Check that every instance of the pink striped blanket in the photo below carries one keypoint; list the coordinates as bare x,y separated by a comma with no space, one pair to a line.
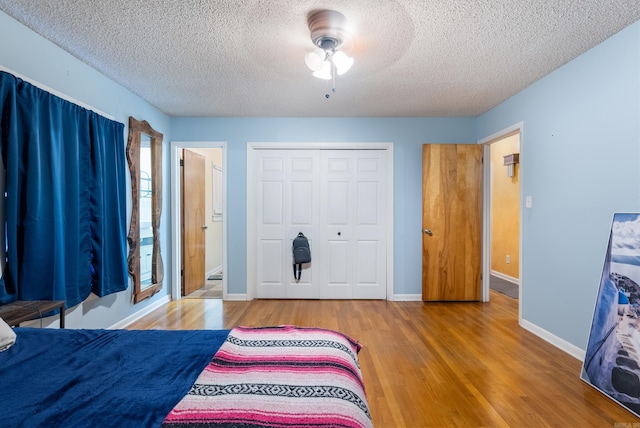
278,377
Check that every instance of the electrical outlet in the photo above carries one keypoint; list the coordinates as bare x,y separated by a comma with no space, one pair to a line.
508,259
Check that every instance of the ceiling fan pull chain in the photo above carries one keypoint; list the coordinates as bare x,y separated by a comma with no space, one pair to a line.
333,76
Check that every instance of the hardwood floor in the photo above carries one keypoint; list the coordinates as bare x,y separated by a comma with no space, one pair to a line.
433,364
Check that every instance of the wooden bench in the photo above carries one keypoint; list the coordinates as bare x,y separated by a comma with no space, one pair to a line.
19,311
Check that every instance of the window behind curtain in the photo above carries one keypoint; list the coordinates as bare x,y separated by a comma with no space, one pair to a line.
64,209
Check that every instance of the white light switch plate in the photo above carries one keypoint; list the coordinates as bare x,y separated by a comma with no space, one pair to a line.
528,202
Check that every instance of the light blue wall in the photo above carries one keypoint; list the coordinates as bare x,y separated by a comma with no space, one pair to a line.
580,162
407,135
28,54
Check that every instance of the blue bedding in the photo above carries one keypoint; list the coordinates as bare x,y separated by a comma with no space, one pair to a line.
98,378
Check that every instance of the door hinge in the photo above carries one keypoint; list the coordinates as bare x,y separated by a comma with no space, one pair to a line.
181,162
181,272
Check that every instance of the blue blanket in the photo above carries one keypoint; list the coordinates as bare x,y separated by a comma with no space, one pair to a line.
97,378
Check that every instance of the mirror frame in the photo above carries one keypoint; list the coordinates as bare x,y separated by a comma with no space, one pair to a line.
136,128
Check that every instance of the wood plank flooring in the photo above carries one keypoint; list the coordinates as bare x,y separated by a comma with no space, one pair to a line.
432,364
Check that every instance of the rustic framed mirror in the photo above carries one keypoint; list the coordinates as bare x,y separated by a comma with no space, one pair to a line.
144,155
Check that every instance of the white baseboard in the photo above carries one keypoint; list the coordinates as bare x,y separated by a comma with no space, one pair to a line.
236,297
505,277
145,311
407,297
562,344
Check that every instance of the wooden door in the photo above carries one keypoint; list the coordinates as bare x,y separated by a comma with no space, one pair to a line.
451,222
193,222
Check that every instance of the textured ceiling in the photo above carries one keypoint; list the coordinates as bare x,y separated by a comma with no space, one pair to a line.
246,57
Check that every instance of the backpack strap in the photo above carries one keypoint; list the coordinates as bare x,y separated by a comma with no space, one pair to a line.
298,274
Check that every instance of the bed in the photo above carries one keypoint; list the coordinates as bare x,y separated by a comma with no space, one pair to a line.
282,376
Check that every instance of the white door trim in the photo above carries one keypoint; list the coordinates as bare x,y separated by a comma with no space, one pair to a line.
486,208
176,215
252,208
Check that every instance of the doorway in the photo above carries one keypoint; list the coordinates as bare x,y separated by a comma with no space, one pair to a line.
211,221
505,215
502,213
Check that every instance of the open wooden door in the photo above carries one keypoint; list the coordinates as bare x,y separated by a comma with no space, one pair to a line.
451,222
193,222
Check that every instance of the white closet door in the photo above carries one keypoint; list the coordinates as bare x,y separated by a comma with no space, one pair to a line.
337,199
353,219
287,204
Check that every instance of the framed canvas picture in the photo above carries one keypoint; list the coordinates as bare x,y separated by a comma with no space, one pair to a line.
612,358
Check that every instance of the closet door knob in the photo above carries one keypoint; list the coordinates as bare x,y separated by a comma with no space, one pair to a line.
428,232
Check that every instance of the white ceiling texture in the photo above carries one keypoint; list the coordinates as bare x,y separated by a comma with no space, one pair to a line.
246,57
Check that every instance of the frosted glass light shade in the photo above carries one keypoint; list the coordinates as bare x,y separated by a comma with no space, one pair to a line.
342,62
324,72
314,59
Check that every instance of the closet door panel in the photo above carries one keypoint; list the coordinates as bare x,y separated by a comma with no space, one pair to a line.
336,219
302,199
369,225
271,228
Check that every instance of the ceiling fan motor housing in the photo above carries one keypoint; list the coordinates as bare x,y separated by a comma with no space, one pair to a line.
328,29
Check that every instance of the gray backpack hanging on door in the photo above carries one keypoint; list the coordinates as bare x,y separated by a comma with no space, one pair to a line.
301,254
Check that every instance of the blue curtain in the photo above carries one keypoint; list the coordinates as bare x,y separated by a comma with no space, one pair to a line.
65,207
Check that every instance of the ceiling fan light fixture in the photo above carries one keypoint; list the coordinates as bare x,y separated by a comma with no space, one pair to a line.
328,32
324,72
315,59
342,62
